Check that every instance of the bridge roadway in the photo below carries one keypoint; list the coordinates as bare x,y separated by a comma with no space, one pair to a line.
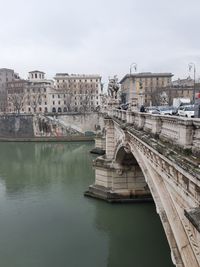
152,156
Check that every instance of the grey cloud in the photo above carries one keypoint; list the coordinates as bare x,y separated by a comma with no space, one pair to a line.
99,36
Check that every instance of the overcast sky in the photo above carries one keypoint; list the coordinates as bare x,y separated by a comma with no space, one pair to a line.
99,36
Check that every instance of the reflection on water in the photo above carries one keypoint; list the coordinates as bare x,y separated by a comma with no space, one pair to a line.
46,221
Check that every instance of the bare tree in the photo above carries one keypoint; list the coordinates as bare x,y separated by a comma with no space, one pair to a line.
17,100
34,99
85,103
68,100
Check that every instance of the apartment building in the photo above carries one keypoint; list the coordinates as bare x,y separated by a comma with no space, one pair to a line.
29,96
68,93
78,92
140,87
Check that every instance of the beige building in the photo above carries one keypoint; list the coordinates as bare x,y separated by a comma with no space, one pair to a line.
141,86
68,93
80,92
29,96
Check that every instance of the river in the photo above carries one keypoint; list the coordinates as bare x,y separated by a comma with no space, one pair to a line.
45,221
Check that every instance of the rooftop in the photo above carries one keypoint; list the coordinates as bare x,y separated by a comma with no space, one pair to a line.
36,71
146,75
59,75
5,69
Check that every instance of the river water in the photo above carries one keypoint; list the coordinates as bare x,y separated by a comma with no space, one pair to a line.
45,221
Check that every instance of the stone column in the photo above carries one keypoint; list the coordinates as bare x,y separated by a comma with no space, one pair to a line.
141,121
185,133
156,125
110,138
123,115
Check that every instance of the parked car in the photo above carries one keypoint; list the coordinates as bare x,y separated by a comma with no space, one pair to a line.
152,110
167,110
186,111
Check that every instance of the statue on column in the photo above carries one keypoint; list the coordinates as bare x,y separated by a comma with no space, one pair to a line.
113,87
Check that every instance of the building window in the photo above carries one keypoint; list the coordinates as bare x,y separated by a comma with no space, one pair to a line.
52,96
53,102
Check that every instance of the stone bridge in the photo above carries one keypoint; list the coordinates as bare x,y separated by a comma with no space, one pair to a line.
152,156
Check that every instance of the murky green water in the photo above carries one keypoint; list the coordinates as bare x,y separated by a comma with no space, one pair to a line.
45,221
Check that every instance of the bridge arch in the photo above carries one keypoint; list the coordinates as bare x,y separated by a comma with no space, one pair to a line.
164,202
128,178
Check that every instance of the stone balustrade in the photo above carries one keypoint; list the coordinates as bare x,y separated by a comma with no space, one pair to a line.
184,132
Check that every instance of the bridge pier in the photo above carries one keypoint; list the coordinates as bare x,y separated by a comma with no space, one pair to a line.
117,183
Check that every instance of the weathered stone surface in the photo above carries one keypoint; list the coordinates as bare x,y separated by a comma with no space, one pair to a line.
193,216
16,126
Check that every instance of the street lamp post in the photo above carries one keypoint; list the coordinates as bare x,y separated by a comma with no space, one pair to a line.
192,65
130,97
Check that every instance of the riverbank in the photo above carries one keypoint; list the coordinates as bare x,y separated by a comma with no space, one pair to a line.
49,139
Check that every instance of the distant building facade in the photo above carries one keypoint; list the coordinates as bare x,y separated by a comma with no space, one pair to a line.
188,82
180,88
140,87
79,92
29,96
68,93
6,75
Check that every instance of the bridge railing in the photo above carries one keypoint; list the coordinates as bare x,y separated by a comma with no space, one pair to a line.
184,132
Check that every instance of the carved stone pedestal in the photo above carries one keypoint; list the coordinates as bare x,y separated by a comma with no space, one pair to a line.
117,183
